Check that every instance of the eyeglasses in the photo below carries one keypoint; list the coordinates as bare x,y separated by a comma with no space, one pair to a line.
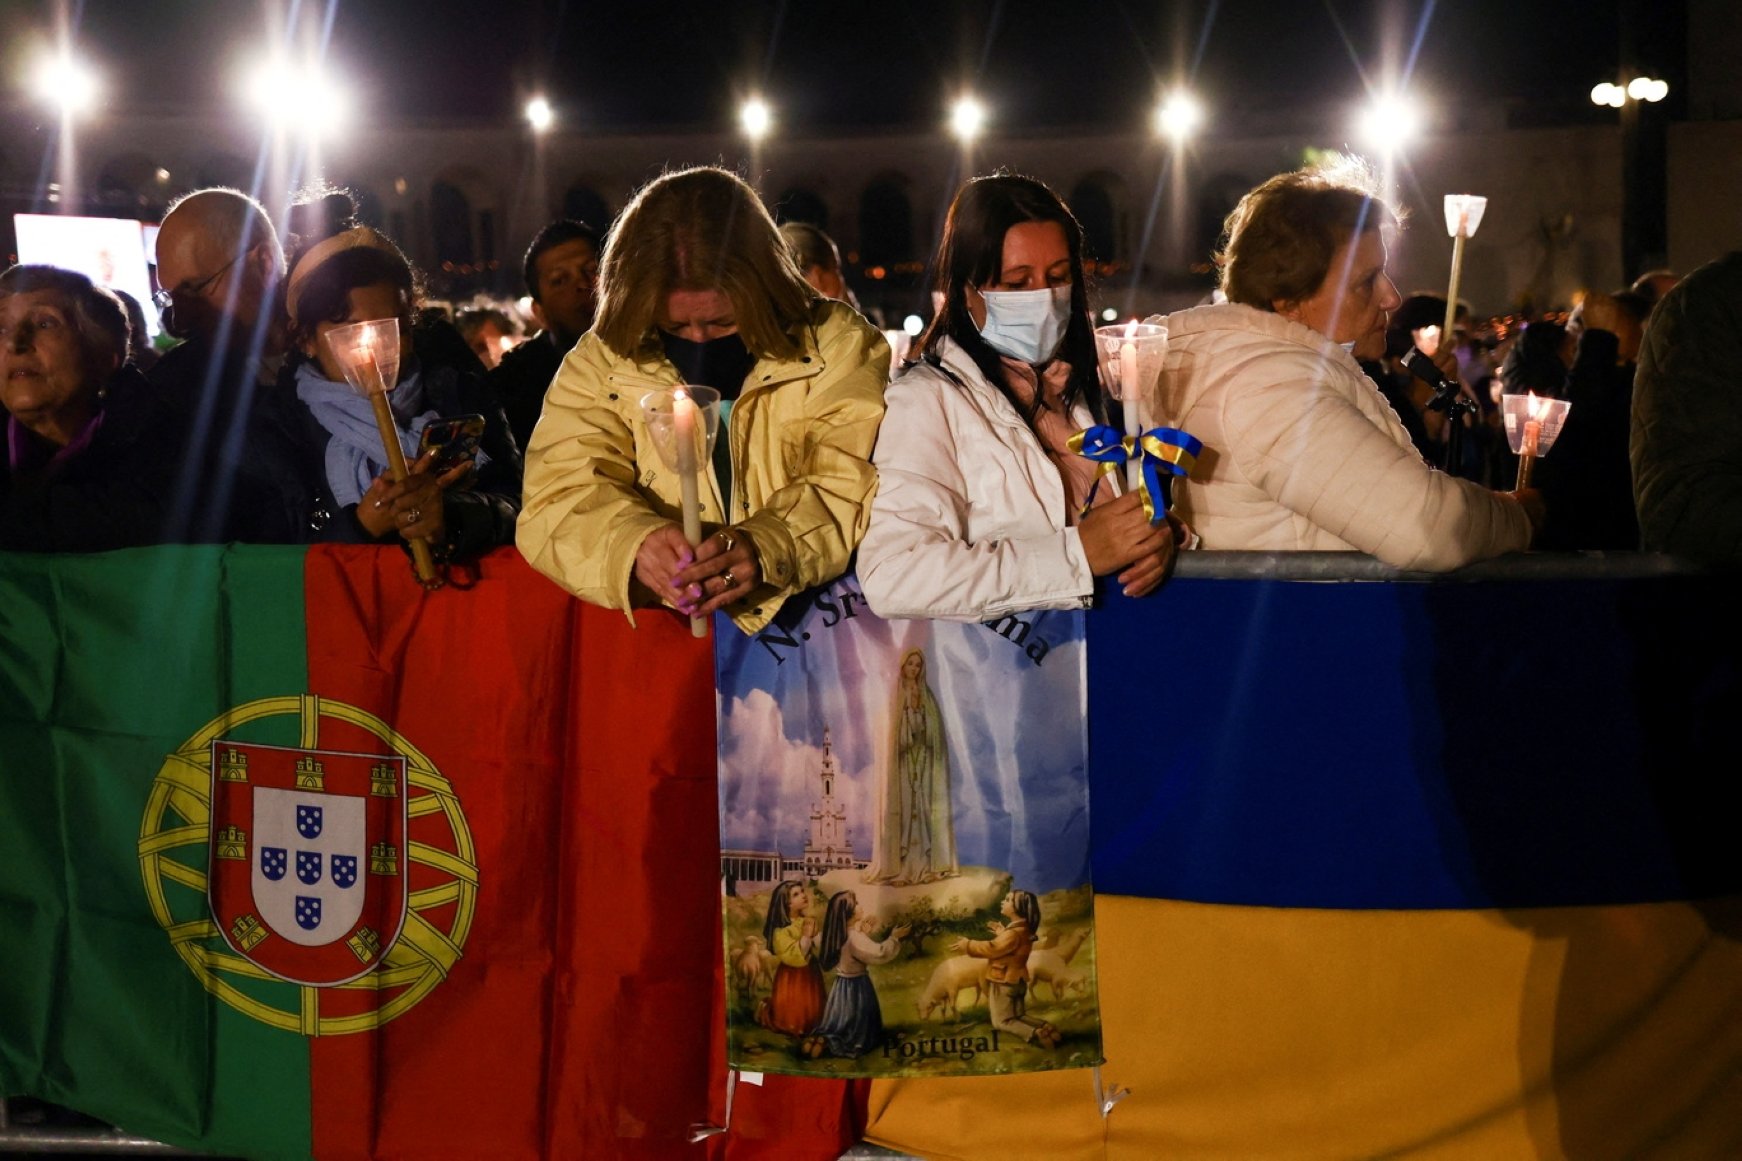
165,298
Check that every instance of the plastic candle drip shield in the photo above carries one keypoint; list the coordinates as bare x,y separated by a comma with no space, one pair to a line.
367,353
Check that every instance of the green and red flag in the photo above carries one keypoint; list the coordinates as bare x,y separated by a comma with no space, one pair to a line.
296,859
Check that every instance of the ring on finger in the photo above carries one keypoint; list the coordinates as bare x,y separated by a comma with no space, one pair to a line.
727,540
413,515
731,581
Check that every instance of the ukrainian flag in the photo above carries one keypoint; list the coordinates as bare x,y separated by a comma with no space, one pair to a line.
1401,869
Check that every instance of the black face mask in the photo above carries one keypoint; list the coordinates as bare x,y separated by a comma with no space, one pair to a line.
719,363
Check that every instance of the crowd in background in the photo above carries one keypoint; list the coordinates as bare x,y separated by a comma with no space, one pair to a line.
246,430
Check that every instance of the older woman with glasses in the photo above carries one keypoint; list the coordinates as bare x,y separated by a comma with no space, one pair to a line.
87,462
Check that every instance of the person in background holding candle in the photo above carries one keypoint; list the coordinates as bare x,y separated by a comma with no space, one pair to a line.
356,275
697,287
1301,450
980,507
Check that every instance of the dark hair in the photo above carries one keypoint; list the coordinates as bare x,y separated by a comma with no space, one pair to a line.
1027,908
810,246
777,913
1413,313
971,253
1634,304
138,334
554,235
316,213
324,295
842,904
1533,363
1283,234
98,315
469,321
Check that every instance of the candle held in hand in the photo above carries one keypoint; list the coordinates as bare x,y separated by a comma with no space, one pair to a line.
1128,388
684,435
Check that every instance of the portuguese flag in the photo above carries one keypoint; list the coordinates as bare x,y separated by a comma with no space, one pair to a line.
297,859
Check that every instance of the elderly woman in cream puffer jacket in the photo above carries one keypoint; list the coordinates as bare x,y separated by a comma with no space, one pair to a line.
1301,451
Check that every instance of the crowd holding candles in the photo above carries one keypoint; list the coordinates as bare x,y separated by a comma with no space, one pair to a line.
703,431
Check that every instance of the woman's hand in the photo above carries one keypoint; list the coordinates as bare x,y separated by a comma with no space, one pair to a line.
1118,538
413,506
958,945
725,570
662,553
1531,501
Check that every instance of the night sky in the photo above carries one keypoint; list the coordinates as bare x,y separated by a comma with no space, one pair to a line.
829,66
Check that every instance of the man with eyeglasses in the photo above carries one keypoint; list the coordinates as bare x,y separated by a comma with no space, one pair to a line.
562,276
219,264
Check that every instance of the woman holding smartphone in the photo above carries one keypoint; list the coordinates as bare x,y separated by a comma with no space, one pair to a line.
462,491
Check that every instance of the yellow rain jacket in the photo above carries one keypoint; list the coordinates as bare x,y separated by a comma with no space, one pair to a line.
801,439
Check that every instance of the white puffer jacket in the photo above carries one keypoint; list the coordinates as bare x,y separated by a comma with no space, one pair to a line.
1302,453
969,519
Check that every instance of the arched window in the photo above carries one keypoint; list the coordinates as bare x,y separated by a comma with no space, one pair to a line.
583,203
885,223
450,214
1092,202
802,205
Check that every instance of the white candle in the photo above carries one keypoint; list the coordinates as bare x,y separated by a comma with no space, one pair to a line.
683,423
1128,401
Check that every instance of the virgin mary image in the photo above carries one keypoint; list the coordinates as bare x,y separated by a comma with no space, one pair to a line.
916,834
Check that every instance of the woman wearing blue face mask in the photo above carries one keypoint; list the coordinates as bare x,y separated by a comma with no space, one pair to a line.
980,508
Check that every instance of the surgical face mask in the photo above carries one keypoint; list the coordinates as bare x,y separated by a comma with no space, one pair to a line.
1026,324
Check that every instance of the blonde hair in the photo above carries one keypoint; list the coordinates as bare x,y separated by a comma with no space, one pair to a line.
700,229
1283,234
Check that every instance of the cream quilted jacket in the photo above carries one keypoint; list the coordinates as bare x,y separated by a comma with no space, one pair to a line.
1302,453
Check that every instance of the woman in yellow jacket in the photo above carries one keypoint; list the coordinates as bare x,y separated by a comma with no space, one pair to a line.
696,287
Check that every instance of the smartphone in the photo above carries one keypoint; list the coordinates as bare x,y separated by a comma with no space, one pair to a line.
456,438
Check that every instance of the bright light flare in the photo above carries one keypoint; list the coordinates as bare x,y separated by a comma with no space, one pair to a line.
1613,96
295,96
1647,89
540,115
913,324
1179,116
967,118
1391,122
65,82
755,118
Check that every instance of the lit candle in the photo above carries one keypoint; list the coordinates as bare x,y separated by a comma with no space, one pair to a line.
683,424
1128,401
1527,450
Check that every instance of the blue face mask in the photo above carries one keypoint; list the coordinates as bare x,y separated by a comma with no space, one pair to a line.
1027,324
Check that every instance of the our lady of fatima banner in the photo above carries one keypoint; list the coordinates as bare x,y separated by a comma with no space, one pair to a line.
905,844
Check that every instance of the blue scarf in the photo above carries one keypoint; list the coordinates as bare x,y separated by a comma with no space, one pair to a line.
354,454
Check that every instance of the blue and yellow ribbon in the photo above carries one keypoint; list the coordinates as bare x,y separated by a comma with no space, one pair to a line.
1163,450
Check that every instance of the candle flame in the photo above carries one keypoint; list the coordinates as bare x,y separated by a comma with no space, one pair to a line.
679,393
1537,406
1131,330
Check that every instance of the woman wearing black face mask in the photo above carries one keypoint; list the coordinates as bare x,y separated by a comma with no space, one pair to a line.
983,508
696,287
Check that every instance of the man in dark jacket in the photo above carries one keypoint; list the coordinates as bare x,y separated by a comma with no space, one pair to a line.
1585,480
562,276
219,263
1687,419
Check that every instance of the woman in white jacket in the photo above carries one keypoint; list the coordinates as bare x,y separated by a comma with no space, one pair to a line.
980,504
1300,449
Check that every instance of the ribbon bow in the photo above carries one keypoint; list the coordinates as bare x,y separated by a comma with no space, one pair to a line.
1163,449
